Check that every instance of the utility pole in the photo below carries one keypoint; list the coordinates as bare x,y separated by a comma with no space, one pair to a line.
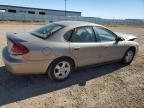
65,7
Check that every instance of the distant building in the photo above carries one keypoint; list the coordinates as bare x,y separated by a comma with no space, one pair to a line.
36,11
18,13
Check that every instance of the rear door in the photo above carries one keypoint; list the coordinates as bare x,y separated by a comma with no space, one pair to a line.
84,46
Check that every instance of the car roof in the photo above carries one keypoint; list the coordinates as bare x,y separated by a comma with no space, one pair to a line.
76,23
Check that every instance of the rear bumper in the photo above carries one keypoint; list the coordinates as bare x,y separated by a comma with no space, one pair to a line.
21,66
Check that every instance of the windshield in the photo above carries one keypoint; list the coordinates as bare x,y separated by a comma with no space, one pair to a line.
45,31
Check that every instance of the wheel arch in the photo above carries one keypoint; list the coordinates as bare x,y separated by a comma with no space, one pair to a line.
62,58
133,48
130,47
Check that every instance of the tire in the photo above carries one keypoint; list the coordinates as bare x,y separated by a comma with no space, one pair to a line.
60,69
129,56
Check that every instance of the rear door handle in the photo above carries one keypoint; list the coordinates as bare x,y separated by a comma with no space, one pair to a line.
77,48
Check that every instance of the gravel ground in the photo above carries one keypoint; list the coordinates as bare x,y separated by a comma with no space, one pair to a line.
107,86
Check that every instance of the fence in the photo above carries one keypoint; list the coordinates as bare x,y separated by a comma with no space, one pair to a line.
47,18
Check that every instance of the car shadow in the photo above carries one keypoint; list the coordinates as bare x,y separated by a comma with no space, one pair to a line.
15,88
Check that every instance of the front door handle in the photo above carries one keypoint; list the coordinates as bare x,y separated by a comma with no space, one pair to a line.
77,48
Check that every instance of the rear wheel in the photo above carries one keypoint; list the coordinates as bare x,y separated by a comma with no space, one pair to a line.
60,69
129,56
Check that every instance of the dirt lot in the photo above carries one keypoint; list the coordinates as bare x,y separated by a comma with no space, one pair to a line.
113,85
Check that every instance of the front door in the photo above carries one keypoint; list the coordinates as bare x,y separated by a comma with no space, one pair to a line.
112,49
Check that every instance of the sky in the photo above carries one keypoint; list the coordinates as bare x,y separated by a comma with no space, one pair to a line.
111,9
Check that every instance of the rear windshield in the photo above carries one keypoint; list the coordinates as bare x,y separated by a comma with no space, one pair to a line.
45,31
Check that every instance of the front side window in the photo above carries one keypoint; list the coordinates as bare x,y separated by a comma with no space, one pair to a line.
83,34
104,34
45,31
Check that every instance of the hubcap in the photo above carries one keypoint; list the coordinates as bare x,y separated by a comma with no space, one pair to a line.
129,56
62,69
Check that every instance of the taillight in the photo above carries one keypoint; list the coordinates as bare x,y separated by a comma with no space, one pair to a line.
19,49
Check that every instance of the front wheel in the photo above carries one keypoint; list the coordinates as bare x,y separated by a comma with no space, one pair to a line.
129,56
60,70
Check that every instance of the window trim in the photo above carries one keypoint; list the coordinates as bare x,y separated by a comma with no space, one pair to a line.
109,31
73,30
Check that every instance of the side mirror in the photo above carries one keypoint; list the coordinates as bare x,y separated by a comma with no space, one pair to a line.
118,39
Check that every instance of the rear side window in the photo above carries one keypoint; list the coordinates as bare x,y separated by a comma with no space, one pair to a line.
83,34
45,31
68,35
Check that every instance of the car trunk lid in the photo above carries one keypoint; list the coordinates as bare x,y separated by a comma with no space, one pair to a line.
15,40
